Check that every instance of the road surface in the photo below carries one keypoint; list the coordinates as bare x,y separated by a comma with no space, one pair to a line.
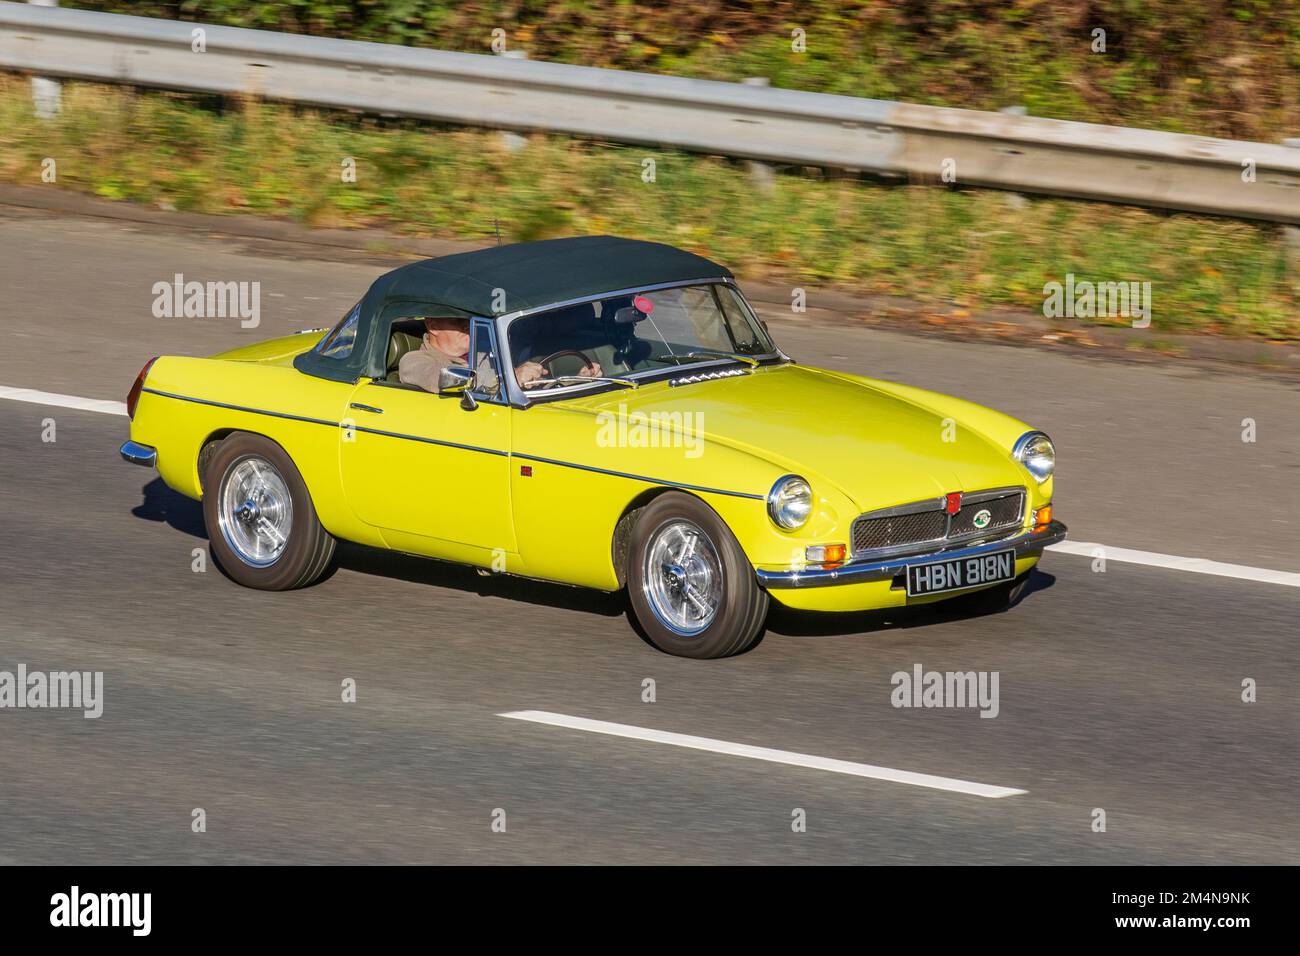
1119,691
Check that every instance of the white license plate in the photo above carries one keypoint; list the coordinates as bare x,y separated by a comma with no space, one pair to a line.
957,574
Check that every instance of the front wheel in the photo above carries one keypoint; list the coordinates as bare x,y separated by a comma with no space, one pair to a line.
690,585
262,526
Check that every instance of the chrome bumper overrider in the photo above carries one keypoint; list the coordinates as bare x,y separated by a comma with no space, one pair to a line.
1027,542
138,454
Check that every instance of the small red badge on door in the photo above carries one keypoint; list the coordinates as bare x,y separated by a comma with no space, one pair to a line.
526,470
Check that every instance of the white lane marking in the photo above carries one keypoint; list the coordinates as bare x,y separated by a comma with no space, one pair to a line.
1174,563
62,401
763,753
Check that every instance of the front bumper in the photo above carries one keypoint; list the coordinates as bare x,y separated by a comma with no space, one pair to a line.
138,454
1025,543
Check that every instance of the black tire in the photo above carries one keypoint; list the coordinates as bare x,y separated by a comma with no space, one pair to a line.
990,600
741,605
308,548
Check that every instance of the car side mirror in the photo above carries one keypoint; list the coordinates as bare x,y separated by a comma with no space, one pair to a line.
456,380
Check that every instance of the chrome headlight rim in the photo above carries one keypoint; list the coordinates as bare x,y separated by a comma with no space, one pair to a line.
773,511
1021,453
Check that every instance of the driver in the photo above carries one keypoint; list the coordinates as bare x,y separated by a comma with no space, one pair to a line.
446,345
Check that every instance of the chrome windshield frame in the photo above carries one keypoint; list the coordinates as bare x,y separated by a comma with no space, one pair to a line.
520,398
487,326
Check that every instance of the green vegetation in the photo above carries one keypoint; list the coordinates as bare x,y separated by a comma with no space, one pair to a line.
930,243
1229,68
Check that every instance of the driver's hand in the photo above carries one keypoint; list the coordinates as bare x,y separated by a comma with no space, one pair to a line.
529,372
591,371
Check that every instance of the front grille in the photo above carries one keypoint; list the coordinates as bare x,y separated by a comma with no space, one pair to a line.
898,530
928,522
1003,512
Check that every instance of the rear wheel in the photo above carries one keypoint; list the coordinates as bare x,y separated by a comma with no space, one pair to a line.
690,585
262,527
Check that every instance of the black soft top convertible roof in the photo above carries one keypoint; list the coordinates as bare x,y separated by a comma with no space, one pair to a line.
502,279
536,274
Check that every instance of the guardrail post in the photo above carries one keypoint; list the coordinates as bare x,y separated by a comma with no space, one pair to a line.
762,175
47,94
513,142
1015,200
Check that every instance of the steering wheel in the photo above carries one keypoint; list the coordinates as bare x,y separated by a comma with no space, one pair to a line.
546,362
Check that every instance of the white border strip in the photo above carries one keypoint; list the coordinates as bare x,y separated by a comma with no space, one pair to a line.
1173,562
763,753
62,401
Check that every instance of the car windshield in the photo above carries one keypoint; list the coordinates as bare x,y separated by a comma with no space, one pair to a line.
627,335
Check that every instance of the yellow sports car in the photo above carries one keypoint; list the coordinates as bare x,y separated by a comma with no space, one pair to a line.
600,412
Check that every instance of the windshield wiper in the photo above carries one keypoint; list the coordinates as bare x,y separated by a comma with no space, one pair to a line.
582,378
698,354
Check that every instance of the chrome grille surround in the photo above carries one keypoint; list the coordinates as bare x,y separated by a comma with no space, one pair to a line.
927,526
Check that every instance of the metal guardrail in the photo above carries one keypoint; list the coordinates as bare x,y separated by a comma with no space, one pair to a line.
1020,153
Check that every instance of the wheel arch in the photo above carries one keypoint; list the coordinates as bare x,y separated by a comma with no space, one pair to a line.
209,445
627,520
317,465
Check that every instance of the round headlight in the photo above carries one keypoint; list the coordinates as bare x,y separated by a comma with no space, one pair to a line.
789,503
1036,452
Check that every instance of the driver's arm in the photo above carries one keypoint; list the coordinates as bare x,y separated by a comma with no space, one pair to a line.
526,372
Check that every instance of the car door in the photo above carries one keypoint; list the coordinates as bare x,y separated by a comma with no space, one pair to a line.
429,472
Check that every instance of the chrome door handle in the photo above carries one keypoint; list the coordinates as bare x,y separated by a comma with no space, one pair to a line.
367,408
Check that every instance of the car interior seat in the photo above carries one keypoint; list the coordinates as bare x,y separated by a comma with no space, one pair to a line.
406,336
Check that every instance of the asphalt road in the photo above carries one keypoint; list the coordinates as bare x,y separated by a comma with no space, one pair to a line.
1118,691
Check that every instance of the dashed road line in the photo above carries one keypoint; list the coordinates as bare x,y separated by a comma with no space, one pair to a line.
1173,562
62,401
787,757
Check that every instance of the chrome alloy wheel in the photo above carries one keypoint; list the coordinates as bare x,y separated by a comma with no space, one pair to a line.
255,511
682,577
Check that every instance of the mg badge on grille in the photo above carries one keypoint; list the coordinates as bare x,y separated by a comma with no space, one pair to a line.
982,518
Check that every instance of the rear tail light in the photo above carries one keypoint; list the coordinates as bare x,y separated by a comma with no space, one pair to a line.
133,396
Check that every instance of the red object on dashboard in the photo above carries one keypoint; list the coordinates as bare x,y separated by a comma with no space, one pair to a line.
643,304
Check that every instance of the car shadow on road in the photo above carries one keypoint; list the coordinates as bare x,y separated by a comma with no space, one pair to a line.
445,574
789,623
162,504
